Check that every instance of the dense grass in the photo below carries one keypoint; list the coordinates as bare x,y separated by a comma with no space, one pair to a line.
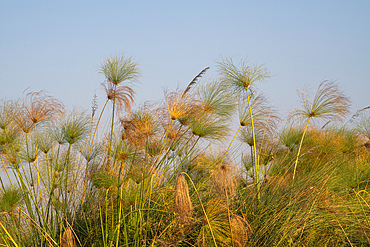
177,173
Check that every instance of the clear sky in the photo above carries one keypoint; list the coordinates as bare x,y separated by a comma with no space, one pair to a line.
58,46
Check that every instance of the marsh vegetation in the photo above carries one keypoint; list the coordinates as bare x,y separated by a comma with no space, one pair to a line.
161,174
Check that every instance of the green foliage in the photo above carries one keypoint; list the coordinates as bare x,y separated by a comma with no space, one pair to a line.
240,78
363,126
102,179
328,103
10,198
216,99
290,137
75,127
118,69
210,127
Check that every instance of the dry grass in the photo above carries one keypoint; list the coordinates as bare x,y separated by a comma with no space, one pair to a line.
183,205
240,230
68,238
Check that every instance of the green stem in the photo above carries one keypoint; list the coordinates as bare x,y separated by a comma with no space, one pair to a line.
106,216
183,160
204,211
91,145
2,184
172,160
67,175
29,163
37,167
300,146
101,218
164,143
6,170
227,150
228,213
252,159
111,133
96,129
256,165
159,161
9,236
119,215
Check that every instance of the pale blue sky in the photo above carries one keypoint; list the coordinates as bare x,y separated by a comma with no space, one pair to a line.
57,46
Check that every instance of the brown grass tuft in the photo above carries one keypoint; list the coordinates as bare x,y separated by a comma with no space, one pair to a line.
39,106
123,96
240,229
68,239
183,205
224,179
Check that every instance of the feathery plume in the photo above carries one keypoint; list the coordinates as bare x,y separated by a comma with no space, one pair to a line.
194,81
39,106
183,205
118,69
240,229
68,239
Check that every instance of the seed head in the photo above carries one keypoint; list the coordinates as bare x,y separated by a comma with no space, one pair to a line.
240,229
224,179
68,238
183,205
118,69
39,106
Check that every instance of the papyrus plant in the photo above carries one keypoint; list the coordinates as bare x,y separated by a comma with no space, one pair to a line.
240,80
119,72
329,103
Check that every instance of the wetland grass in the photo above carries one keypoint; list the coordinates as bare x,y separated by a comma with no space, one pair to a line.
174,173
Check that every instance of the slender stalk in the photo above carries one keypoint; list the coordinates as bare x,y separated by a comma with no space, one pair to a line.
29,163
204,211
29,206
256,165
111,133
156,232
101,218
6,170
119,215
96,128
6,242
183,160
263,138
91,145
227,150
362,207
228,213
161,160
37,167
165,141
149,200
36,225
7,233
106,216
67,174
2,184
173,159
252,159
300,146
